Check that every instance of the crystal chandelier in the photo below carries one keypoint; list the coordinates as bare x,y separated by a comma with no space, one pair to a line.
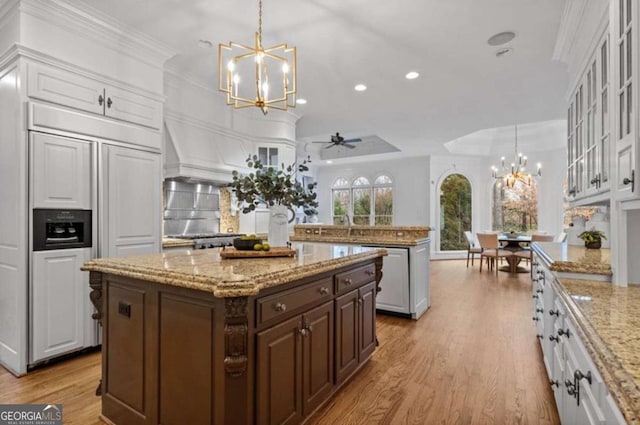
243,73
518,171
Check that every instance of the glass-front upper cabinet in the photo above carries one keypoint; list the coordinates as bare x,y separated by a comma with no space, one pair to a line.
626,14
588,140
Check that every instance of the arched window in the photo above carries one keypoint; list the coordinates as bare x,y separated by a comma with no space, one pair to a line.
361,202
515,209
340,199
361,196
455,212
383,201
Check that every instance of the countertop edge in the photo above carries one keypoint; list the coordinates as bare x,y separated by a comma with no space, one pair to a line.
357,241
618,381
226,289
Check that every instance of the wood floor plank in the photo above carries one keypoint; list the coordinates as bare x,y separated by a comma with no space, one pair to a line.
471,359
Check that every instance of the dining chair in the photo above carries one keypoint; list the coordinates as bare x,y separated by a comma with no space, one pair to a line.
527,254
491,250
473,247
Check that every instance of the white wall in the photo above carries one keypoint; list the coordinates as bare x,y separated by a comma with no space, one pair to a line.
410,191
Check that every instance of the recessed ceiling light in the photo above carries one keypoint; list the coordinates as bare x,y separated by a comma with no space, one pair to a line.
412,75
505,51
360,87
501,38
329,161
205,44
301,101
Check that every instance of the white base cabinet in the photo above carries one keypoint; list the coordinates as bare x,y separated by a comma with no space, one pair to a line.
581,395
61,312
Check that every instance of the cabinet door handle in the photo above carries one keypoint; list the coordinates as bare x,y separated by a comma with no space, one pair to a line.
563,332
554,313
280,307
554,383
348,281
534,296
309,328
535,318
540,336
579,375
554,338
100,100
631,180
360,301
539,310
109,102
539,291
571,388
324,291
369,272
303,331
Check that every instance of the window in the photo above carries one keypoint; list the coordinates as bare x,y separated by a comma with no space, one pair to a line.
361,195
455,212
340,200
362,202
515,209
268,156
383,201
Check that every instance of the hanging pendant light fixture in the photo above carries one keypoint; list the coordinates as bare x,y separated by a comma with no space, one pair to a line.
517,171
243,73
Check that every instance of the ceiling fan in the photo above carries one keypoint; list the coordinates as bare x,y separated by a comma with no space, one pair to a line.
338,140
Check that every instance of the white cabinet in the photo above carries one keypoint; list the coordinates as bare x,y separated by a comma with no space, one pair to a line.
61,166
60,317
624,37
581,396
588,138
131,197
394,292
87,94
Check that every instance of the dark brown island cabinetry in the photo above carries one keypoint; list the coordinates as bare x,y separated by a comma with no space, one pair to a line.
173,355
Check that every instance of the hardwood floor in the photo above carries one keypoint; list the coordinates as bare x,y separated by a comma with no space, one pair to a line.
471,359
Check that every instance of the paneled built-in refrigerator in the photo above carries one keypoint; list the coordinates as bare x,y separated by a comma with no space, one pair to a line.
88,198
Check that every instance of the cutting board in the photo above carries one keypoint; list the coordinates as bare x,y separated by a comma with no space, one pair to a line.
273,252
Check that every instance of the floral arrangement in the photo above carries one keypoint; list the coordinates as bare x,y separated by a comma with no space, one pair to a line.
271,186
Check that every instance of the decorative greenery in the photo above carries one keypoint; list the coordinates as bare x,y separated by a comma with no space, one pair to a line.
267,185
593,235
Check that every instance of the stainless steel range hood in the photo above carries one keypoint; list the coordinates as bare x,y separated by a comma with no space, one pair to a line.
190,208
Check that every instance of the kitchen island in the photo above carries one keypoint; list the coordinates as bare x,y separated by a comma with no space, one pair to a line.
189,337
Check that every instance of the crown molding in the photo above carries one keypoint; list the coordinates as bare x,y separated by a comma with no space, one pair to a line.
82,20
569,24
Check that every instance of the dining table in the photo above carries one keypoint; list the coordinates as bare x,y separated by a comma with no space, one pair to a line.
514,242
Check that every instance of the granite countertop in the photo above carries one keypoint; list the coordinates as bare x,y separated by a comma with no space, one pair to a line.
361,240
175,242
608,318
204,270
574,259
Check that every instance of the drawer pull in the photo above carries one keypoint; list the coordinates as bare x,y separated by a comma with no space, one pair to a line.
563,332
280,307
100,100
579,375
554,383
369,272
554,313
534,296
539,310
540,336
536,318
539,291
109,102
348,281
324,291
554,338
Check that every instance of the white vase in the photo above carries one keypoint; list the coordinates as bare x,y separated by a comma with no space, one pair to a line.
278,229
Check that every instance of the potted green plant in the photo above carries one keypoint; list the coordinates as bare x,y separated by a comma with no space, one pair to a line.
279,189
592,238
